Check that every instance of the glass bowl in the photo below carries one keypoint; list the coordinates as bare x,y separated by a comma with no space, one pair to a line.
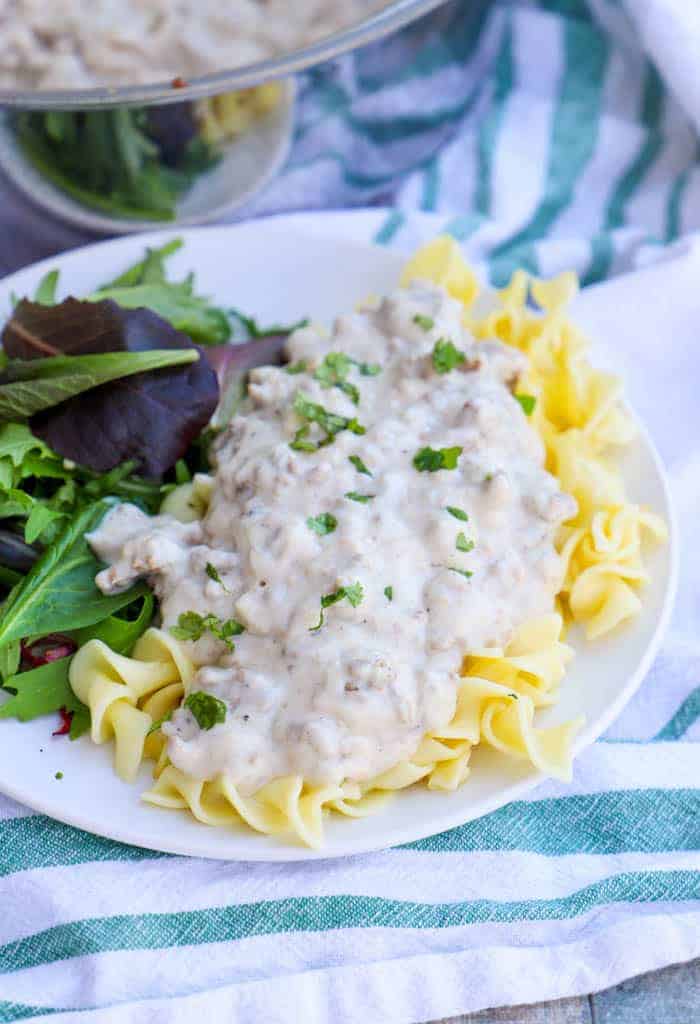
383,22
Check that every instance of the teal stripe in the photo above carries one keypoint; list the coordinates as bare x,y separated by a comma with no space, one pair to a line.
631,179
652,110
463,227
393,223
567,8
431,186
649,821
639,821
574,132
675,200
329,913
33,842
602,252
456,43
522,257
491,123
687,715
20,1011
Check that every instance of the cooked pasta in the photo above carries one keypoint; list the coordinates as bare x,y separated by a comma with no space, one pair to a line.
582,423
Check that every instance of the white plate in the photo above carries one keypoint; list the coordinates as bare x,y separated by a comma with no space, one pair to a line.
246,166
281,270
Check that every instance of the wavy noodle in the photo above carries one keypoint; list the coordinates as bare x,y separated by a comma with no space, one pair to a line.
580,418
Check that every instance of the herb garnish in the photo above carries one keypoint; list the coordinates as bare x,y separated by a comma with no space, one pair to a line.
213,574
446,357
462,572
426,322
294,368
359,464
389,593
193,626
353,593
322,524
463,543
58,775
432,459
333,373
527,403
207,709
458,513
331,423
362,498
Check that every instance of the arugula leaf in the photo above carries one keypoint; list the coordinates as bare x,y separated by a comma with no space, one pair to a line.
175,303
432,459
40,516
29,386
41,691
293,368
322,524
59,592
46,289
254,331
463,543
149,270
458,513
359,464
207,709
361,498
17,442
353,593
47,688
10,658
193,626
527,403
446,357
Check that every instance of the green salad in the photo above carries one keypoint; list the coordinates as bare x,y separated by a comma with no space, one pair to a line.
116,396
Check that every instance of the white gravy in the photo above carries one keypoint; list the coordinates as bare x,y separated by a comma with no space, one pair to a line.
352,698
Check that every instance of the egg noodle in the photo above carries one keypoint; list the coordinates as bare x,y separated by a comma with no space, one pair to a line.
580,418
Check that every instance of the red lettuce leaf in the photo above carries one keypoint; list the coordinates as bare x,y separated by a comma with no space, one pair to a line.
150,417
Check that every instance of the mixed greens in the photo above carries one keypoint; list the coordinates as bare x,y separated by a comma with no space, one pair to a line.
127,163
103,399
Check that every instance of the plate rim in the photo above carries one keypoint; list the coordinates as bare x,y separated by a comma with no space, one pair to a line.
400,834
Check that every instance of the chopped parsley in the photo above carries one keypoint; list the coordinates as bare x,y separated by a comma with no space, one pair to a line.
58,775
389,593
330,422
359,464
155,726
294,368
362,498
207,709
333,373
353,593
446,357
322,524
430,460
458,513
426,322
213,574
193,626
527,402
462,572
463,543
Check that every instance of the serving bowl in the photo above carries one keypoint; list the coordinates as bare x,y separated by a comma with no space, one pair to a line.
247,164
383,22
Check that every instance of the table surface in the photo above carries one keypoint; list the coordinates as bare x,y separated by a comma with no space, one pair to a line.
670,996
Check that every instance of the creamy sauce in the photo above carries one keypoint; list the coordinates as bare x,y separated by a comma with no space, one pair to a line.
68,45
352,698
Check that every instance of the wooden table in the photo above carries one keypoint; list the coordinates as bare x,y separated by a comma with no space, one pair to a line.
670,996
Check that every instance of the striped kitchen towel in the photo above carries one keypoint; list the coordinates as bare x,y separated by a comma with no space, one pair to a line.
539,135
